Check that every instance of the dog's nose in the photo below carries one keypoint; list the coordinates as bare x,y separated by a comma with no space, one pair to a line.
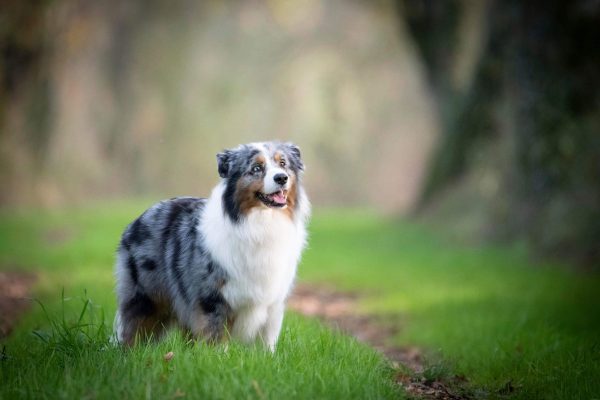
280,178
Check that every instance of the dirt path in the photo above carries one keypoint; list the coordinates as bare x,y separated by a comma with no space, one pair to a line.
14,292
338,310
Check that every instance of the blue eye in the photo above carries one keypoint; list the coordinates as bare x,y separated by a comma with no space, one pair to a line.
257,168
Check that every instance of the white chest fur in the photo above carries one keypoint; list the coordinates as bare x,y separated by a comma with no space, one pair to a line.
260,253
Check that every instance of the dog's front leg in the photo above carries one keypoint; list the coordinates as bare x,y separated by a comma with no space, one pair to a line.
270,331
248,323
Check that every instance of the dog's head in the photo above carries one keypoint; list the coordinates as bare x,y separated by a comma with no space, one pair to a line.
260,176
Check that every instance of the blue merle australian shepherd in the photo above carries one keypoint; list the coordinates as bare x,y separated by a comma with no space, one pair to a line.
221,266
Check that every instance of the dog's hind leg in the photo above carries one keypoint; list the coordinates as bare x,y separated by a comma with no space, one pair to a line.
210,326
140,318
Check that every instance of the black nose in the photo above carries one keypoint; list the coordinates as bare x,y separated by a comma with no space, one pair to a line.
280,178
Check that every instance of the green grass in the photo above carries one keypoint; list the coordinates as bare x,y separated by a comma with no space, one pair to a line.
514,328
487,313
74,359
61,348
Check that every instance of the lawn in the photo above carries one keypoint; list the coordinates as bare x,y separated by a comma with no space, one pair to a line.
512,328
61,350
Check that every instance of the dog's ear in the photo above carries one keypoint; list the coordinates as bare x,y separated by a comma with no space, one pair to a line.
224,162
295,155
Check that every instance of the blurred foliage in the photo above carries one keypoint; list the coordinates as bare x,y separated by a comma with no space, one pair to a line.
531,113
135,98
138,97
23,53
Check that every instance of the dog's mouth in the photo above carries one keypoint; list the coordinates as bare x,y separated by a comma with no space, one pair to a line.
275,199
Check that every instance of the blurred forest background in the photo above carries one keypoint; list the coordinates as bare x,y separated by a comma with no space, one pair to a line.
481,115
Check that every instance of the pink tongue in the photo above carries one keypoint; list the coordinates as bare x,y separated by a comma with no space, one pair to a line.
279,197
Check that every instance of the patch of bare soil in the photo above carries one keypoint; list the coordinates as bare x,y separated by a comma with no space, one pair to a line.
339,309
14,292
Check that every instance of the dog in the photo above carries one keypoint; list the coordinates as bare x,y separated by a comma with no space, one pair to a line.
221,266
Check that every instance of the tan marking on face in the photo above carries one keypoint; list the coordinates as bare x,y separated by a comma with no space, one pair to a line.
246,195
277,157
292,198
260,159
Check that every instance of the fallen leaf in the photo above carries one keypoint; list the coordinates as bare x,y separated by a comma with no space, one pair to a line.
168,356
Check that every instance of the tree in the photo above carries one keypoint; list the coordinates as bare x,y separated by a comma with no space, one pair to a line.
535,87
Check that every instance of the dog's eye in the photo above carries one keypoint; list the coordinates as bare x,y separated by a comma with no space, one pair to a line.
257,168
282,163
